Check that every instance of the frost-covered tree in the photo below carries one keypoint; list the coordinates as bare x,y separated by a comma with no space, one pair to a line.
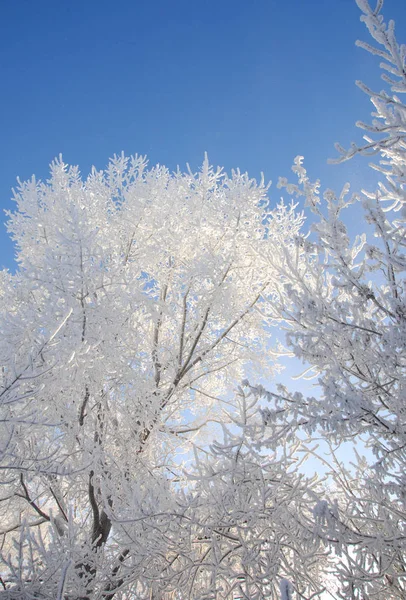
138,298
346,318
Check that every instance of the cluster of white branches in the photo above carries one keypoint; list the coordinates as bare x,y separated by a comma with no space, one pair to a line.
346,317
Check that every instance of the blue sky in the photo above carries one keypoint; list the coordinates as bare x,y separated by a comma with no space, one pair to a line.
253,83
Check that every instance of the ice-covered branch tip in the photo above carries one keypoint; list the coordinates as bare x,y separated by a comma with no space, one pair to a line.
389,125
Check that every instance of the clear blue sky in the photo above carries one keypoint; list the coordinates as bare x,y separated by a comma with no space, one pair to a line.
252,82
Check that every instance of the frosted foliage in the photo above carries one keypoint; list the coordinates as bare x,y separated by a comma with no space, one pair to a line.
139,296
264,507
345,311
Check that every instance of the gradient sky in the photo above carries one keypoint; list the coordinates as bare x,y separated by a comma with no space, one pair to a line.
254,83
